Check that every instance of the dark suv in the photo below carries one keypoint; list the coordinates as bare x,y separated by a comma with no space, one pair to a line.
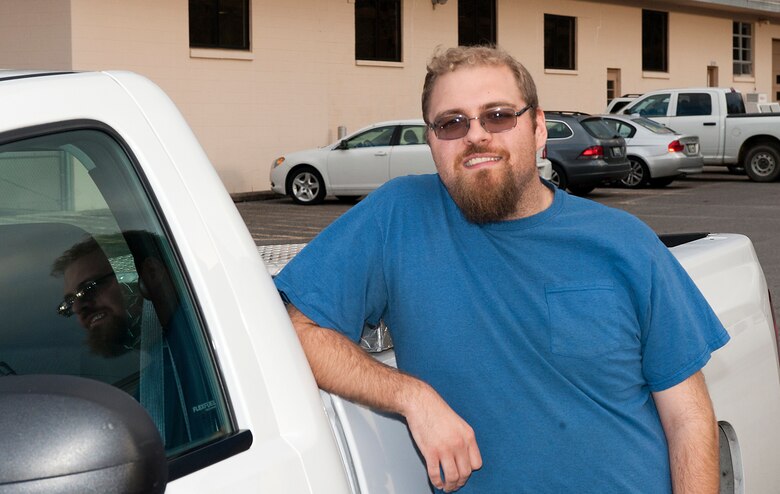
584,151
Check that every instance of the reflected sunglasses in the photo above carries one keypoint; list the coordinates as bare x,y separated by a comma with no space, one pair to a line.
494,120
65,309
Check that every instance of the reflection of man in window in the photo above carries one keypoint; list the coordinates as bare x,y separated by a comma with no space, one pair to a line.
93,294
172,384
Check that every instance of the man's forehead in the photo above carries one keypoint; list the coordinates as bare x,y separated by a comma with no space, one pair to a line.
85,267
483,86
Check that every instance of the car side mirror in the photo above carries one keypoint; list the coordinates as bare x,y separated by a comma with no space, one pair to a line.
342,144
72,434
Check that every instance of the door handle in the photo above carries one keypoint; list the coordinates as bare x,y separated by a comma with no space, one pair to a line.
380,153
709,124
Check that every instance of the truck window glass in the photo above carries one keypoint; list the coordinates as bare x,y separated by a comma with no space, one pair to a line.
693,104
90,285
655,105
734,103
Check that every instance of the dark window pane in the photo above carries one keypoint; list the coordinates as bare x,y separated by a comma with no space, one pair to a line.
378,30
219,24
559,42
476,22
654,40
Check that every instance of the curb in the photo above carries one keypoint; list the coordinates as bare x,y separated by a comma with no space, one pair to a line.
260,195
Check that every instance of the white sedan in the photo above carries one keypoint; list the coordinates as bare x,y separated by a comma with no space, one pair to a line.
355,165
359,163
657,153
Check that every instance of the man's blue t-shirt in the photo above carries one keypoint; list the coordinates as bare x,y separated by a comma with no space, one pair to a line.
546,334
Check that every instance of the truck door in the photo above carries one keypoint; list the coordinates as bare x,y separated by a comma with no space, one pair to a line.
696,113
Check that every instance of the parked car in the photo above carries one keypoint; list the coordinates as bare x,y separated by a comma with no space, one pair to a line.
616,104
728,136
657,153
359,163
584,151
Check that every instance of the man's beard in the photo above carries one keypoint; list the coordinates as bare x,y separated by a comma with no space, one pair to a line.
112,340
479,198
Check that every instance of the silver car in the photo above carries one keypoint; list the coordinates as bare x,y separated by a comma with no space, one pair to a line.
359,163
657,153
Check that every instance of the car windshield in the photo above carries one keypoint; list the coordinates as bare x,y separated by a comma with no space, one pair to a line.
653,126
598,129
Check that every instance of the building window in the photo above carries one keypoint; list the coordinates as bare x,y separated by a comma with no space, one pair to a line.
559,42
655,45
476,22
378,30
219,24
743,48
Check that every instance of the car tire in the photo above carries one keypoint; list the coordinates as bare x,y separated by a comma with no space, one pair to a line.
558,177
638,175
581,190
762,163
305,186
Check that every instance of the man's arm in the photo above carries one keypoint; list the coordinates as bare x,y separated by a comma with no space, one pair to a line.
692,433
340,366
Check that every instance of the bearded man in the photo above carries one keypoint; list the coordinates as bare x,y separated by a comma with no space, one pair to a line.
545,343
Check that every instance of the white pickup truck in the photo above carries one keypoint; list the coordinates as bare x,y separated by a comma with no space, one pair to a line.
202,386
727,134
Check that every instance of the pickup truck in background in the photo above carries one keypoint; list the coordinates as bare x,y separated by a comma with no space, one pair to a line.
107,156
727,134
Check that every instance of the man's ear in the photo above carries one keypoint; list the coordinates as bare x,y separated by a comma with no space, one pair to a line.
151,275
540,134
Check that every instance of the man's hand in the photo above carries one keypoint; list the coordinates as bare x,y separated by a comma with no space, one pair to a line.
445,440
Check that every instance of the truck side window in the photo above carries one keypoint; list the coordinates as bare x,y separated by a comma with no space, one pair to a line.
693,104
655,105
91,286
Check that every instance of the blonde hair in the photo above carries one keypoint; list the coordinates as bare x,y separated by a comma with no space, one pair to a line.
451,59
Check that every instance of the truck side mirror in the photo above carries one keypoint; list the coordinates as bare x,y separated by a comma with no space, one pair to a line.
71,434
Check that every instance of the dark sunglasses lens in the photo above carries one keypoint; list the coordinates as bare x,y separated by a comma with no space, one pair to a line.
65,308
452,127
498,120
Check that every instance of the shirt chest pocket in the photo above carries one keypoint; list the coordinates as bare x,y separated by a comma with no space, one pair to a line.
587,319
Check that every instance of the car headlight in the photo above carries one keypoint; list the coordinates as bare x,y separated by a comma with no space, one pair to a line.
278,161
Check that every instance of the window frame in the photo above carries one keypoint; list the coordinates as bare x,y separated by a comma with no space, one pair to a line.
214,20
369,30
560,42
655,41
472,25
742,55
192,459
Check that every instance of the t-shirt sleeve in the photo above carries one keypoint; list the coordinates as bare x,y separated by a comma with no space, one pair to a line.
337,279
681,329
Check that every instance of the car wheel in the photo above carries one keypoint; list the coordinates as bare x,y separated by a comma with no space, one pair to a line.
661,182
305,186
581,190
762,163
638,175
348,199
558,177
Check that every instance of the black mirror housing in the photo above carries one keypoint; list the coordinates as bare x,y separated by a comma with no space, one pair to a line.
72,434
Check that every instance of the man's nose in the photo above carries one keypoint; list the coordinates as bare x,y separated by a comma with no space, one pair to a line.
476,133
81,304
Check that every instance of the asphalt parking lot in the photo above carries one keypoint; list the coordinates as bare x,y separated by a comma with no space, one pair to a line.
714,201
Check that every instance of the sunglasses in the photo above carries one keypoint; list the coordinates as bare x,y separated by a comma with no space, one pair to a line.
494,120
65,309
